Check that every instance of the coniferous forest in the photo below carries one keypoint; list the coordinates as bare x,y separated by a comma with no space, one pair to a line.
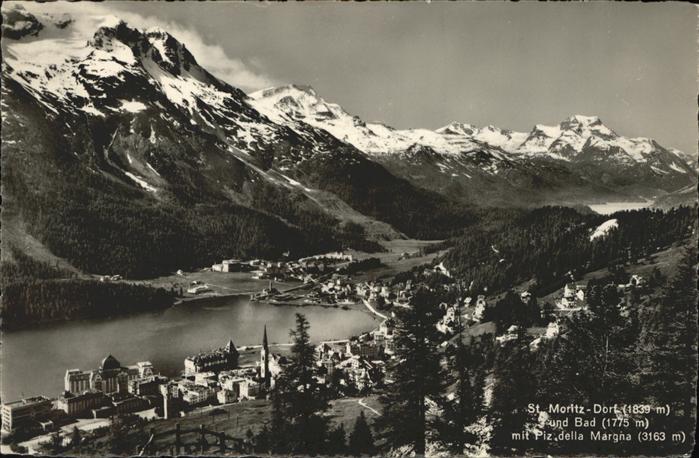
283,275
633,349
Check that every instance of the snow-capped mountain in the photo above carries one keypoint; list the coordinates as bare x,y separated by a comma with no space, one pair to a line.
489,135
122,81
564,141
293,103
582,146
133,111
121,69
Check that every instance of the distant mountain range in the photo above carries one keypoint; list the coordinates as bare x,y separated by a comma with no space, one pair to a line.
130,116
576,161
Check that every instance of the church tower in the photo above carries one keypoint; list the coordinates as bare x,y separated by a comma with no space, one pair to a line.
264,359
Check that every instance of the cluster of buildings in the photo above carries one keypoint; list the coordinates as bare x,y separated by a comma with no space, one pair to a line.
451,318
358,364
107,390
27,413
217,360
208,378
216,377
305,269
232,265
572,298
381,296
111,388
474,309
197,287
635,281
337,289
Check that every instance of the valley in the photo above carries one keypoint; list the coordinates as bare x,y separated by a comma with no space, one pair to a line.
294,279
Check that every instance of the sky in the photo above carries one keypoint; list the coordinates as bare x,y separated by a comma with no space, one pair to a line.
408,65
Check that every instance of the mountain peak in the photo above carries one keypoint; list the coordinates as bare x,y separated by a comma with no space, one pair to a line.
157,32
584,120
154,43
457,128
285,90
303,88
586,126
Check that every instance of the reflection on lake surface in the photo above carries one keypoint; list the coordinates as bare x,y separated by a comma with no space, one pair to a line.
608,208
34,361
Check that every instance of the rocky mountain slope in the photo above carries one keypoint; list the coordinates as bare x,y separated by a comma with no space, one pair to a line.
122,154
578,160
124,140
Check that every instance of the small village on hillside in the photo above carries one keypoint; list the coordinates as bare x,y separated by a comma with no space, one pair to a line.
388,229
347,367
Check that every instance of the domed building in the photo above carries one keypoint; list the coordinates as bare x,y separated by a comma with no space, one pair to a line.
110,377
110,363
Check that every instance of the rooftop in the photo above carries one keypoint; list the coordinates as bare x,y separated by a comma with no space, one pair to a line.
27,401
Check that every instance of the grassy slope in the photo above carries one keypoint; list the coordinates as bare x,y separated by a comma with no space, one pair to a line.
665,260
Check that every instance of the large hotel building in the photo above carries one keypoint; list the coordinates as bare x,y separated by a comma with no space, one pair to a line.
109,378
222,359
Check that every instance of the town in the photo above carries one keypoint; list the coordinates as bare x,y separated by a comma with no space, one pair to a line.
349,367
209,378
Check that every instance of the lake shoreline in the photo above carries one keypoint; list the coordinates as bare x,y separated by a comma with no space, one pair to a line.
35,360
610,207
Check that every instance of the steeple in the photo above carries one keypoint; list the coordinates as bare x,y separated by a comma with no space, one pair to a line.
264,360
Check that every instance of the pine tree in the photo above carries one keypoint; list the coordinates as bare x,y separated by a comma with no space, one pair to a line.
361,441
415,375
263,441
513,390
591,361
672,335
249,440
56,444
463,408
298,400
337,441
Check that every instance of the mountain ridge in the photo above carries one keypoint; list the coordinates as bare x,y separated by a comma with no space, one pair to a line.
129,118
539,163
574,131
132,115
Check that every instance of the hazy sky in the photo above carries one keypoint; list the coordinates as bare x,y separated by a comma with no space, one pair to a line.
425,65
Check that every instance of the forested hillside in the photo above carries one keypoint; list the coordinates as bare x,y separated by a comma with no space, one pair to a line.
628,348
372,190
630,345
552,243
76,200
36,292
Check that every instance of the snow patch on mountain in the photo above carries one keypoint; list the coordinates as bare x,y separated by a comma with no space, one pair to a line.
677,168
132,106
604,229
658,170
90,109
292,103
563,142
141,182
494,136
